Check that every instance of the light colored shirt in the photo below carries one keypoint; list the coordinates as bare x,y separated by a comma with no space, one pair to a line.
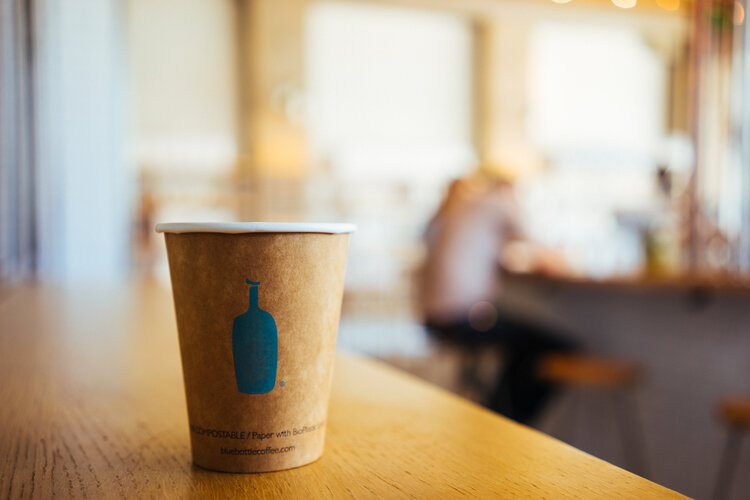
464,244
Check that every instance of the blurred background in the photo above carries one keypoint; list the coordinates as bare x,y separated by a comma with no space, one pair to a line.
621,127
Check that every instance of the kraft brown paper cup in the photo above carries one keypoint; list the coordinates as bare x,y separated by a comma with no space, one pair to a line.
257,379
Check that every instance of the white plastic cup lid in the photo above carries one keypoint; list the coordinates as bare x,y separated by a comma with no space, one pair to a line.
255,227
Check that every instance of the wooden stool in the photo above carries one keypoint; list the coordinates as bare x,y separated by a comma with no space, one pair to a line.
735,413
617,375
582,370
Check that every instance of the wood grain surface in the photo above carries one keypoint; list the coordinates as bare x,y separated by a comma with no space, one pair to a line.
92,406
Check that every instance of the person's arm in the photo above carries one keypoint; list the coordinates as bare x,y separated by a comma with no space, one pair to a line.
520,252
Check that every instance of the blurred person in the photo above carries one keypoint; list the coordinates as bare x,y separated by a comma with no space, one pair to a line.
461,291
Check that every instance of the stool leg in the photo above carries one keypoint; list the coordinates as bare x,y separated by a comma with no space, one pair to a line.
565,426
471,382
727,465
631,431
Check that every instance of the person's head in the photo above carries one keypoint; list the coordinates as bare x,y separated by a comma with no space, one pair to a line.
498,173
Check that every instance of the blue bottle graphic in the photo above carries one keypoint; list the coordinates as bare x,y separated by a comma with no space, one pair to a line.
255,347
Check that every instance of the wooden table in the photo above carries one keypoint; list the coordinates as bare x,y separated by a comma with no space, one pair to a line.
93,406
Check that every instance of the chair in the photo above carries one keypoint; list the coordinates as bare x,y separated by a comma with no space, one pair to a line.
620,377
734,412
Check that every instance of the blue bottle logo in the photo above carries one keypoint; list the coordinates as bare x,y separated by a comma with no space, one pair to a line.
255,347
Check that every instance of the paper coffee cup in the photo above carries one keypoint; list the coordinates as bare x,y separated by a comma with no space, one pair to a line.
257,308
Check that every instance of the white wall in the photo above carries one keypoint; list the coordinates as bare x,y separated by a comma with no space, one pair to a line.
183,67
595,88
389,90
83,186
597,113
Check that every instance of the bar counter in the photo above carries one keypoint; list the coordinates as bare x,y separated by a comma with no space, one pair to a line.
689,282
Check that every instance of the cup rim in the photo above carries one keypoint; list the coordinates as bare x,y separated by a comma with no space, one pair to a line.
255,227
